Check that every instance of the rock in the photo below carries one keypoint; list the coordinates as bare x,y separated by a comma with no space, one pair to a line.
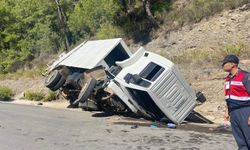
233,18
39,103
173,43
134,126
244,7
220,108
222,22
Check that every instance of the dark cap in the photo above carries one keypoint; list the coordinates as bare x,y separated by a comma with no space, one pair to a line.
230,59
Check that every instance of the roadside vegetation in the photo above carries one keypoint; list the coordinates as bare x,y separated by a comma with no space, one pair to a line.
34,95
209,57
196,10
6,93
51,96
31,28
40,96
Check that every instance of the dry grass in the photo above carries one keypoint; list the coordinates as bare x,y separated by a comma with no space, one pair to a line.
21,74
209,57
195,11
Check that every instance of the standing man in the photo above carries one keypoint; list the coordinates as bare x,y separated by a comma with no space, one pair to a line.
237,95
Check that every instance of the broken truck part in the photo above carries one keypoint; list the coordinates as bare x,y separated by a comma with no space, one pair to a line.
106,75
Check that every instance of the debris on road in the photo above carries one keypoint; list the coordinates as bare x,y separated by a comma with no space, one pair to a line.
153,126
134,126
171,125
39,103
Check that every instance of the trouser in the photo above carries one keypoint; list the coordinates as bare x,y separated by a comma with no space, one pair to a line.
240,128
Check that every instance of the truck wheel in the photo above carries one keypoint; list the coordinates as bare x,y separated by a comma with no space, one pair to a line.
52,79
86,91
58,84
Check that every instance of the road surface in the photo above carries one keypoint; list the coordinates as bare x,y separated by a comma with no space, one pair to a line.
25,127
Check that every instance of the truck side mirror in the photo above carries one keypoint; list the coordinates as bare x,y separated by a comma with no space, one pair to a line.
136,78
132,78
200,97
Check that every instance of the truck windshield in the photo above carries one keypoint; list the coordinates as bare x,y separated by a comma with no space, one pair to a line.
151,72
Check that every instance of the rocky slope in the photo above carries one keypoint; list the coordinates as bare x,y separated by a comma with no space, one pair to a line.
228,27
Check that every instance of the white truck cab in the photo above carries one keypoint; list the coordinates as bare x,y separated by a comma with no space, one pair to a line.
155,87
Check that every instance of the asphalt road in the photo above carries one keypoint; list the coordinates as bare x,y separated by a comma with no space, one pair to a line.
38,128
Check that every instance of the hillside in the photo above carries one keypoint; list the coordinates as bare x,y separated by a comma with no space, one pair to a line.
230,27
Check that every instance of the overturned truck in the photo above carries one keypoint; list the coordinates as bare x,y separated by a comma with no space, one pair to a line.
104,75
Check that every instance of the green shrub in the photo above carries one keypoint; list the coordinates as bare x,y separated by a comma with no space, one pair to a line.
236,49
161,6
195,10
88,17
190,56
6,93
232,4
51,96
109,31
34,95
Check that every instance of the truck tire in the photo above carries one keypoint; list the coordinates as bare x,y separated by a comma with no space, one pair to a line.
86,91
52,78
58,84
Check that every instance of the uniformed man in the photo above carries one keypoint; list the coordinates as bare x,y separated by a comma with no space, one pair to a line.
237,95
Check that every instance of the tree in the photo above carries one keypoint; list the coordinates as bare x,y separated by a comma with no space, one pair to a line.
28,28
89,16
63,21
147,7
124,6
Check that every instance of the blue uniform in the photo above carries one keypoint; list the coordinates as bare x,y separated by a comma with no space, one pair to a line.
239,112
